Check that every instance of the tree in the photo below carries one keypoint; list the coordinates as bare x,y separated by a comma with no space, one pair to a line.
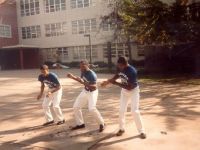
153,22
173,28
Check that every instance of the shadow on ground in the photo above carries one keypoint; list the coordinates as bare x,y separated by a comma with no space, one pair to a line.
171,101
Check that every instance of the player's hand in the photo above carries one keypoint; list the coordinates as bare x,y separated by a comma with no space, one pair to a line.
104,83
49,94
39,96
69,75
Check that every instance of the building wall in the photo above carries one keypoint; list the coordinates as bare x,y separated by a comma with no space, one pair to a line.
8,16
69,40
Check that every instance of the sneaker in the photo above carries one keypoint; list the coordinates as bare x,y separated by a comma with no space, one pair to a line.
78,127
61,122
101,127
120,132
143,136
48,123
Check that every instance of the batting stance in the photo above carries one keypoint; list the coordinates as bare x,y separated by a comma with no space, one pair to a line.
130,92
88,95
53,95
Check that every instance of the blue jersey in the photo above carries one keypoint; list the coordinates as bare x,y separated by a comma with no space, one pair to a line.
89,77
51,80
128,75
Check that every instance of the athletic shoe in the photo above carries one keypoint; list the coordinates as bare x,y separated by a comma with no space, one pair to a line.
101,127
61,122
78,127
48,123
120,132
143,136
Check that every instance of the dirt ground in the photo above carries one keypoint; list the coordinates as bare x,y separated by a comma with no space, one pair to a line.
170,111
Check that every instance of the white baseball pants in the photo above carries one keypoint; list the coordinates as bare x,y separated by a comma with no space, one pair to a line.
54,99
84,98
133,96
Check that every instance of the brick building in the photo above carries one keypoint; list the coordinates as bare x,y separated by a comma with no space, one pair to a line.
12,54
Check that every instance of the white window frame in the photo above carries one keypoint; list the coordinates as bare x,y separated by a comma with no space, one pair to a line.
115,51
29,11
80,4
63,53
31,32
56,7
5,33
83,52
55,29
84,26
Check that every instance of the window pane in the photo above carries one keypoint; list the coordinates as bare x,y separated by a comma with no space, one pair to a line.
28,32
47,30
53,29
93,25
74,27
33,32
38,31
23,33
86,3
81,26
87,26
73,3
57,1
80,3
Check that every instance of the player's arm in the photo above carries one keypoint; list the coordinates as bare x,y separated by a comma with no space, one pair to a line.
113,79
41,90
58,87
78,79
128,86
92,86
130,83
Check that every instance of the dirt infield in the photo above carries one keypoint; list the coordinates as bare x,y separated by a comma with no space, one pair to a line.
170,111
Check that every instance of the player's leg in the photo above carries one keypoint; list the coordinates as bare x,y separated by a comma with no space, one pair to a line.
124,99
79,103
57,96
92,101
135,111
46,107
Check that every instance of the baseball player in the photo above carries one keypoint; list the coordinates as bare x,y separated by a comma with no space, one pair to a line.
88,95
130,92
53,95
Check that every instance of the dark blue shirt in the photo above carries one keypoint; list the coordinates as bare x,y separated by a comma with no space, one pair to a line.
89,77
129,75
51,80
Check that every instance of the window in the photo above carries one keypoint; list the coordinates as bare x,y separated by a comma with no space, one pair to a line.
107,25
55,29
75,52
5,31
94,51
93,24
74,27
117,49
54,5
80,3
83,52
29,7
50,54
31,32
141,50
84,26
63,53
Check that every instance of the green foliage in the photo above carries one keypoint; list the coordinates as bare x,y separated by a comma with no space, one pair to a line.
154,22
